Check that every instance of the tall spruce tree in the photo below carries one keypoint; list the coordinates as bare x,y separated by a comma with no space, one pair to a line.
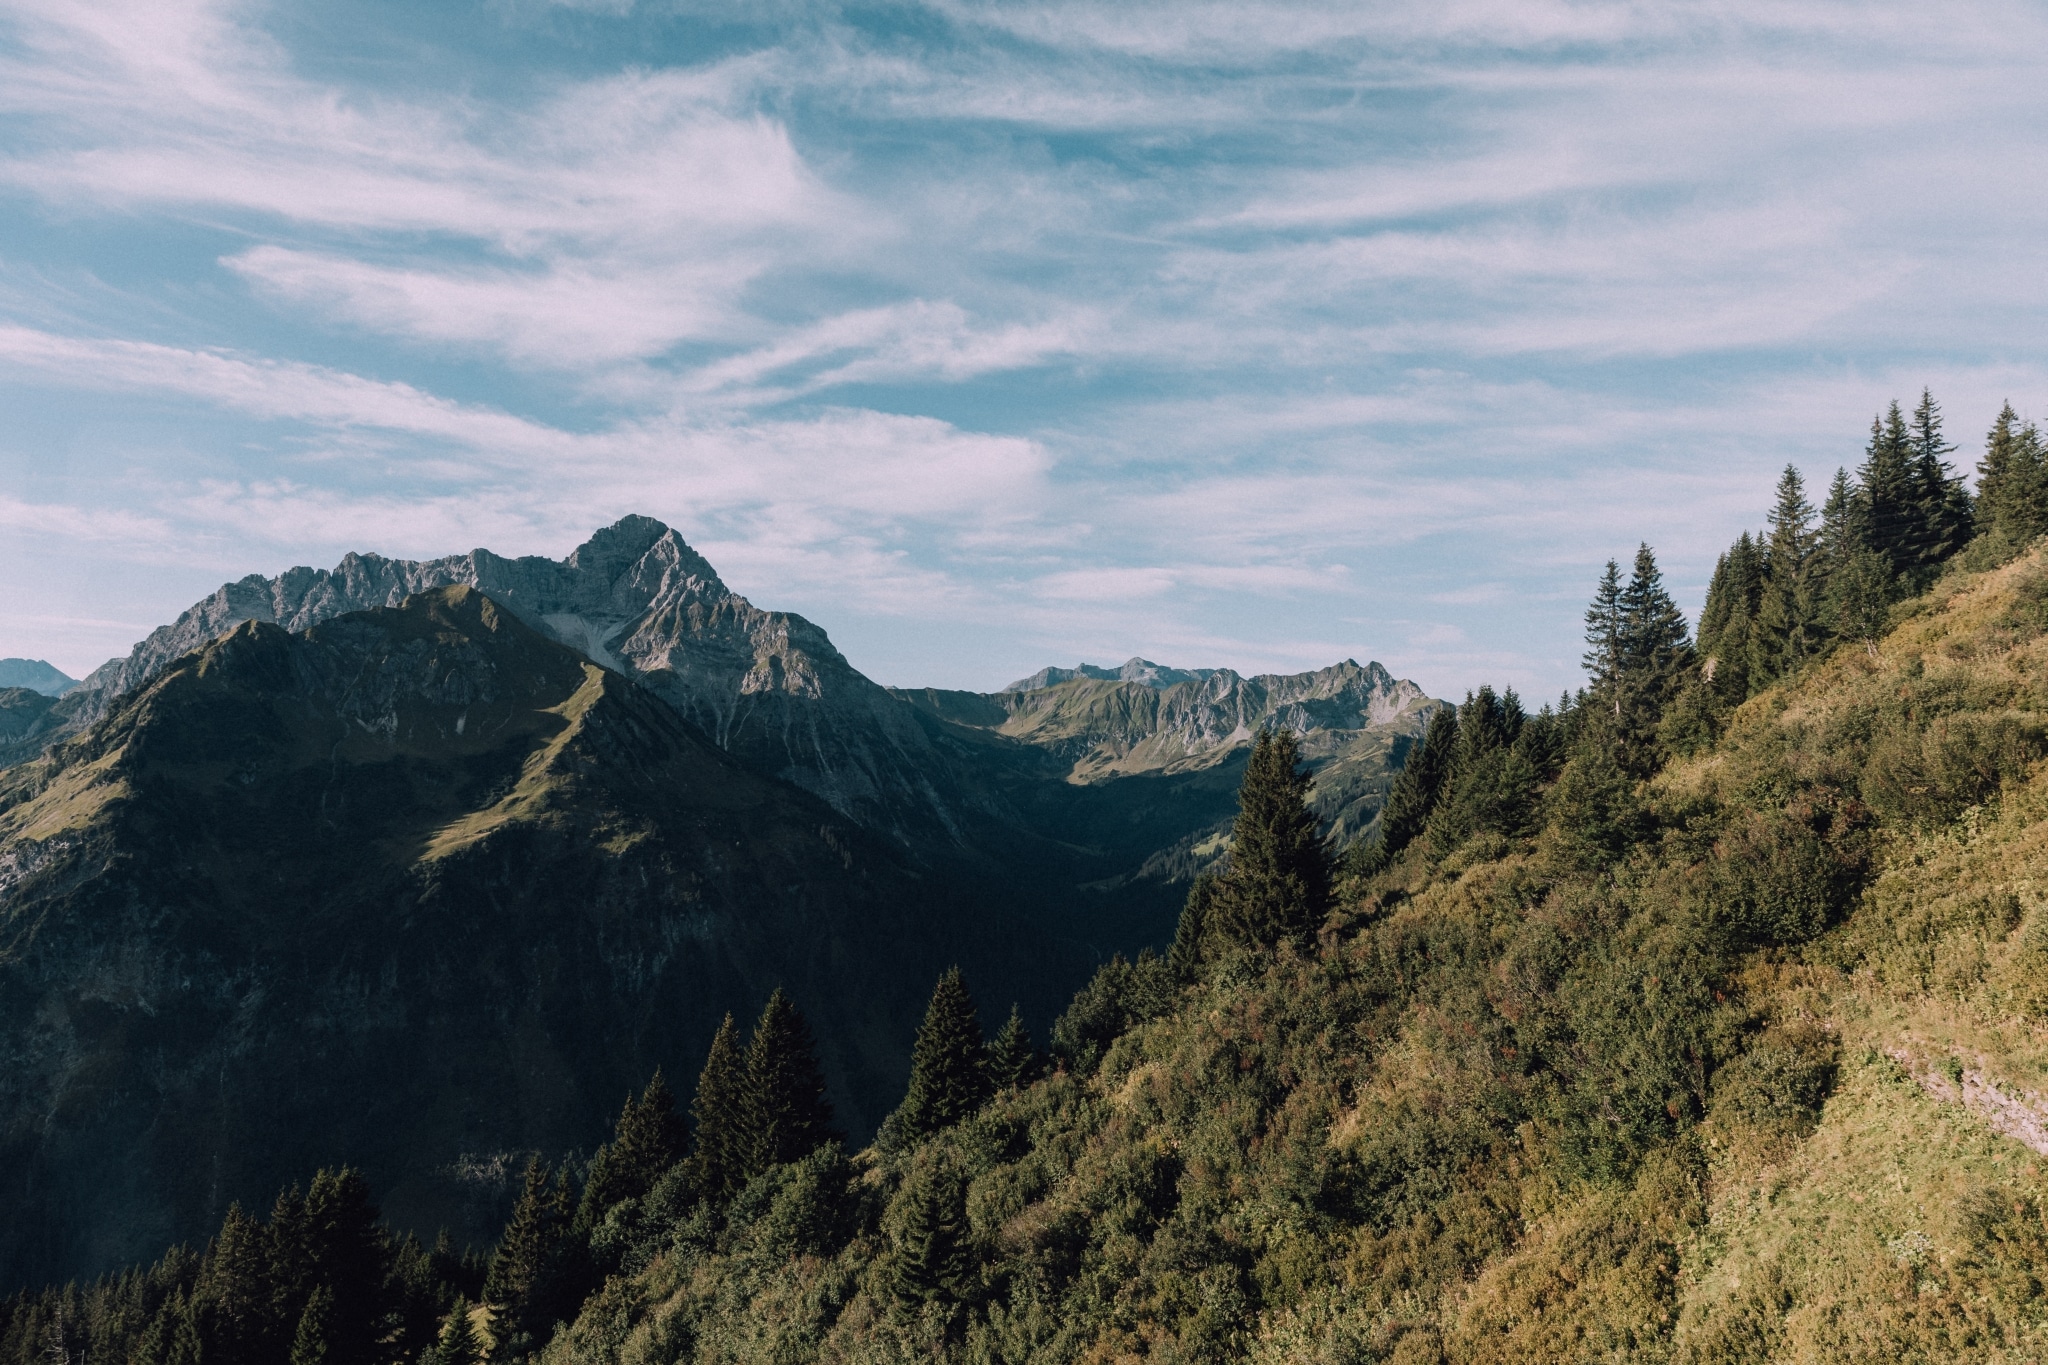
930,1258
1840,532
1184,958
1492,784
312,1343
1728,621
1656,653
1278,885
1788,625
1603,658
788,1114
239,1308
532,1272
344,1247
650,1138
2012,483
1414,793
949,1078
458,1343
1892,525
1012,1060
1943,505
719,1114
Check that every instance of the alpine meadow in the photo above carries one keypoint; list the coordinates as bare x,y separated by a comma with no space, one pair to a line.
1697,1017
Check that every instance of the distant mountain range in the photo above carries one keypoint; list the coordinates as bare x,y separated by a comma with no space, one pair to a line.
36,676
419,865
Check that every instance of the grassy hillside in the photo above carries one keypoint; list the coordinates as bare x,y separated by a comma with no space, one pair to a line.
1762,1083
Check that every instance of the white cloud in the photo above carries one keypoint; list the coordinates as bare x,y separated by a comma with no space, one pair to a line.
1201,325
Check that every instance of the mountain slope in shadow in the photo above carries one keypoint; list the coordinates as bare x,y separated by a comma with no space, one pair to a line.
422,890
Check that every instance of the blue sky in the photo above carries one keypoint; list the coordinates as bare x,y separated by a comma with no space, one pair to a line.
991,335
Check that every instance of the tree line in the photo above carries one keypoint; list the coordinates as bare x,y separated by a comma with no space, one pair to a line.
1812,578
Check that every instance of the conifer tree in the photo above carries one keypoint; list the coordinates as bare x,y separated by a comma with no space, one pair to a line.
1714,615
1728,621
237,1305
719,1114
1278,885
929,1260
312,1342
1943,505
1414,793
1788,613
172,1337
948,1063
2012,483
458,1343
345,1249
1184,958
1492,783
531,1270
1840,532
788,1114
1603,659
1860,595
1012,1060
650,1138
181,1342
1891,524
1655,654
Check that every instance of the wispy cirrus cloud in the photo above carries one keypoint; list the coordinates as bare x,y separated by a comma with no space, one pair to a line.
1255,328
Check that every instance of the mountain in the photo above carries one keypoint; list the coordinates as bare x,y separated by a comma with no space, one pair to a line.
36,676
1181,735
420,889
1048,799
1134,670
768,686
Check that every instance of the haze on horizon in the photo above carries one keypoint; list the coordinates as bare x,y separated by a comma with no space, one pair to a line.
995,335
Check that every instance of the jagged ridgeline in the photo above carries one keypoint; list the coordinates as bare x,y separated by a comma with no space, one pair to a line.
1672,1029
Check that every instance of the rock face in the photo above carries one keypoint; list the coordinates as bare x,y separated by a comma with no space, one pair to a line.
36,676
422,890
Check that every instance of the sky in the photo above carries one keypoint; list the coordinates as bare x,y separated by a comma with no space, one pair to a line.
987,334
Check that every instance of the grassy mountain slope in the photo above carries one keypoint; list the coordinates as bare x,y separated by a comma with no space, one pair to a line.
1742,1063
421,890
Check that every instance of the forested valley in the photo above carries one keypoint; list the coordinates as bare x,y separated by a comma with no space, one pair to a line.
1699,1015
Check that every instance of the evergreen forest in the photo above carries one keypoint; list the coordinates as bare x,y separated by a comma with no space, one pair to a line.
1698,1015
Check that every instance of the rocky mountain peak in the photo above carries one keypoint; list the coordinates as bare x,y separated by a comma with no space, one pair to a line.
636,598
